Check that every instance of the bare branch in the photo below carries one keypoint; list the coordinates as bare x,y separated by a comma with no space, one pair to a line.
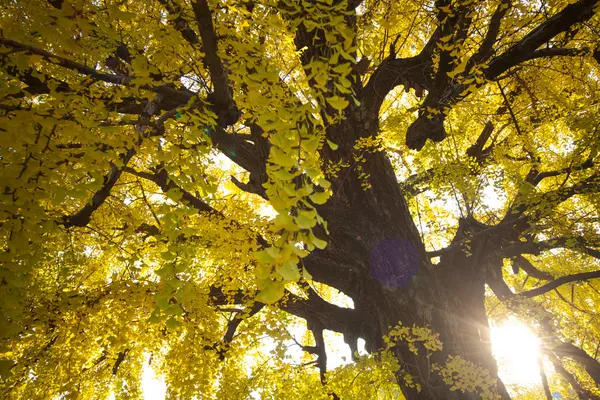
561,349
233,325
120,358
544,379
165,184
66,63
547,174
539,206
556,52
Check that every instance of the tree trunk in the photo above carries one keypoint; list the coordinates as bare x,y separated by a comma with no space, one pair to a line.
374,241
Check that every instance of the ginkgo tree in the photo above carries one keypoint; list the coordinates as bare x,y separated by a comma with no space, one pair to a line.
196,185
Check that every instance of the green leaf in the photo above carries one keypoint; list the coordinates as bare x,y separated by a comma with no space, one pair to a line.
175,195
337,102
172,323
318,243
306,275
264,257
168,256
289,271
285,221
305,222
271,293
319,197
278,157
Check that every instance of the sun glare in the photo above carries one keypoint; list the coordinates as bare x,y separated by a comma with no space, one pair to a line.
516,349
153,387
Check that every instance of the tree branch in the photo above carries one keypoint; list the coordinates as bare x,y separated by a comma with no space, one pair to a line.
225,109
184,95
66,63
581,392
485,50
521,262
412,73
477,151
82,217
544,379
561,349
592,367
446,92
572,14
581,277
320,312
180,23
233,325
162,180
120,358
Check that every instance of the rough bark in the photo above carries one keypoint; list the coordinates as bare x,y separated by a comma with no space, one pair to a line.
448,297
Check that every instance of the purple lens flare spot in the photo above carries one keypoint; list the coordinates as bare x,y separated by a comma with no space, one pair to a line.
394,262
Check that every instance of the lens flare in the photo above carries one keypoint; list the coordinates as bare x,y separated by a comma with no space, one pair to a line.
516,349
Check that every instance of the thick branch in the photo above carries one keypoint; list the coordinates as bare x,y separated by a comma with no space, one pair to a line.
222,96
184,95
581,277
445,92
486,48
543,204
323,313
180,23
233,325
83,216
572,14
314,309
521,262
412,73
581,392
120,358
544,379
576,243
592,367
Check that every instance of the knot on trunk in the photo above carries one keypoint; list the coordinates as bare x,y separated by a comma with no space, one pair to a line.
426,126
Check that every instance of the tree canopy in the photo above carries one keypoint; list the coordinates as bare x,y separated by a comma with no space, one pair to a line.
217,188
